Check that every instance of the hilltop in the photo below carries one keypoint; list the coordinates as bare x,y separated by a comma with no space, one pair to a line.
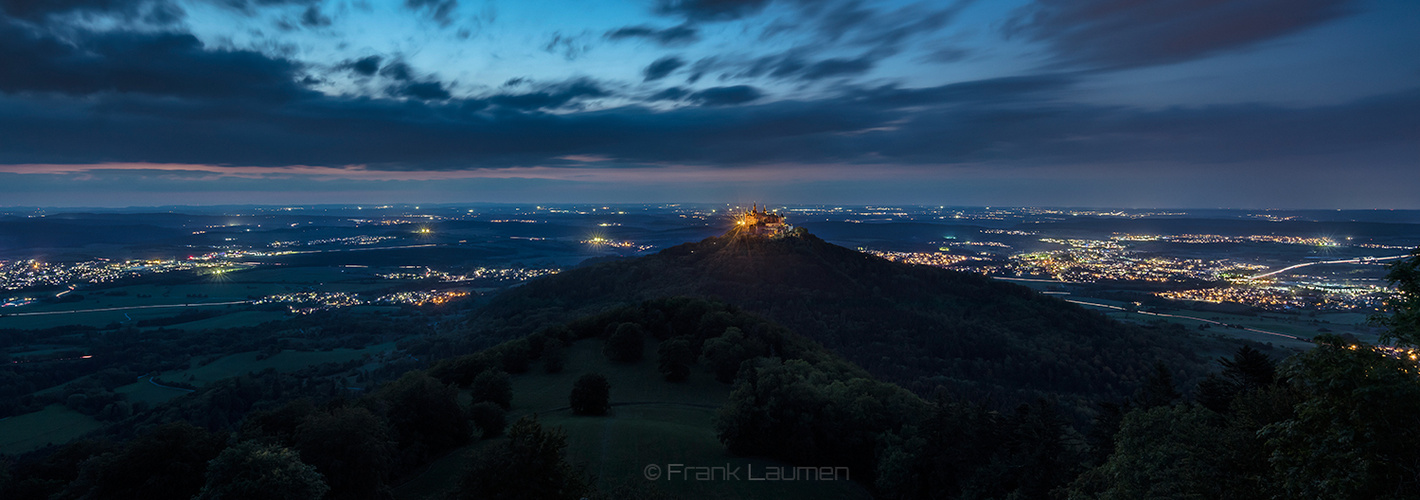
930,330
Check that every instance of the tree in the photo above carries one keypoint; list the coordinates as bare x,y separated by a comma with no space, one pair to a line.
1402,324
1169,451
531,464
515,356
675,359
1248,370
493,386
1158,389
351,448
590,395
278,424
166,463
1354,434
489,418
255,470
554,356
724,354
627,344
424,414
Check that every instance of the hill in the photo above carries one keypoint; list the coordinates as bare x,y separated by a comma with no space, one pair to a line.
927,329
788,400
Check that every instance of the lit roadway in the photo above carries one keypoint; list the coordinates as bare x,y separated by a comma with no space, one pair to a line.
199,304
1183,317
1359,260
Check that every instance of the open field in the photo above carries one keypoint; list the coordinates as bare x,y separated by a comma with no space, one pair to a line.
247,362
54,424
144,390
233,320
652,422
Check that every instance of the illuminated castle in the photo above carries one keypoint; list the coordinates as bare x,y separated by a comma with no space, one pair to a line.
760,223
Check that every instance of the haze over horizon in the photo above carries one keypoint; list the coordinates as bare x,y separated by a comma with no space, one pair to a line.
1092,103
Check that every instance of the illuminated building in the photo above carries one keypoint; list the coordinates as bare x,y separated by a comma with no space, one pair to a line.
759,222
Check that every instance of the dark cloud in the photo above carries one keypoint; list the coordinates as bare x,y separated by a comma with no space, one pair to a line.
1009,90
164,13
668,37
946,55
570,46
160,12
167,98
313,18
670,94
795,67
365,66
441,11
397,70
725,96
428,91
1010,123
551,96
880,29
835,26
151,63
831,28
837,67
1114,33
251,7
662,67
710,10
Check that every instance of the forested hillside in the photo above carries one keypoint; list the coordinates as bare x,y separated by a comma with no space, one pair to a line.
928,329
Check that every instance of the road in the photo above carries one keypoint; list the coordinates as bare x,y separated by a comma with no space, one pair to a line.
1083,303
1360,260
151,381
198,304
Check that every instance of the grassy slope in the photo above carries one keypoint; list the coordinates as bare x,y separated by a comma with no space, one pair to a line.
54,424
674,426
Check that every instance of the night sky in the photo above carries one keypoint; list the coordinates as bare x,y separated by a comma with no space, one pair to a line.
1120,103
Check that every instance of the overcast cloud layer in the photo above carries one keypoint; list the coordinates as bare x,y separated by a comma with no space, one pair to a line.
1082,102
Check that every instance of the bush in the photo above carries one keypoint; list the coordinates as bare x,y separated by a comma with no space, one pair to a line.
515,356
554,356
254,470
532,463
590,395
626,345
493,386
489,418
676,359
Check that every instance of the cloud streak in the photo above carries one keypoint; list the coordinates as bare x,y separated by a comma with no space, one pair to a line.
1118,33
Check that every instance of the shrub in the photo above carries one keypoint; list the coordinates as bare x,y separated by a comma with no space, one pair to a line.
489,418
493,386
626,344
590,395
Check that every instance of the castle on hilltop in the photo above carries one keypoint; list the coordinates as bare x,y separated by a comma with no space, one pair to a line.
760,222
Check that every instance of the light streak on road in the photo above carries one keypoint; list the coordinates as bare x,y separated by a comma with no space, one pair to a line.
367,249
42,313
1034,280
1182,317
1358,260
